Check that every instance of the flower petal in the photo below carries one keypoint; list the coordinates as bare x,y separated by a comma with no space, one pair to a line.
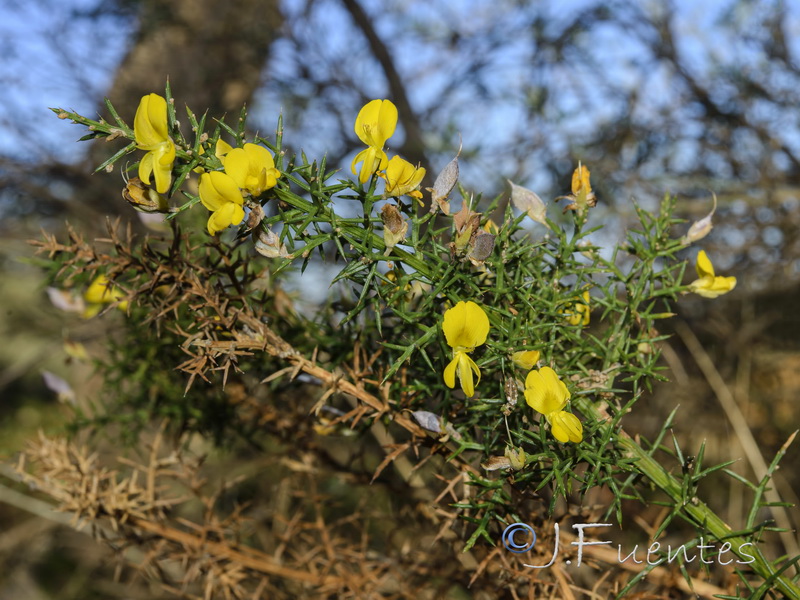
373,159
237,165
217,188
146,167
252,168
450,371
150,122
565,426
525,359
259,157
466,366
402,177
545,392
704,266
228,214
99,291
222,148
465,326
376,123
162,163
712,287
554,383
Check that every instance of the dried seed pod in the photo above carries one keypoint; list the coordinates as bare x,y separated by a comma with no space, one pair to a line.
254,217
481,246
701,228
495,463
511,388
443,185
528,202
514,459
269,244
428,420
394,226
144,198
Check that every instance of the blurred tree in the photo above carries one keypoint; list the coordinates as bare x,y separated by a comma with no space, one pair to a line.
213,54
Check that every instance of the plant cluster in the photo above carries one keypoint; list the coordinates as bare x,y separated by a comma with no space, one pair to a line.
444,321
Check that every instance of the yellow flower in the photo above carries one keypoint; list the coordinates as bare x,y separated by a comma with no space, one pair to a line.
582,196
375,124
709,285
525,359
101,291
252,168
578,312
403,178
581,187
220,194
547,394
565,426
465,326
150,132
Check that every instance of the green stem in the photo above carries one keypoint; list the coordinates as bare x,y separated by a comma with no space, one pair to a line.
698,512
357,231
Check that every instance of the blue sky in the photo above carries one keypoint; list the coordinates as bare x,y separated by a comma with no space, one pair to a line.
52,58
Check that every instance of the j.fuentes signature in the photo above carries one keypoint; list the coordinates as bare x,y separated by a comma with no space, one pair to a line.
520,537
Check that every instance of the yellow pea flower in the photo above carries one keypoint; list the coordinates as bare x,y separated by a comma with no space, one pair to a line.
547,394
465,327
150,132
252,168
525,359
375,124
581,186
403,178
101,291
709,285
220,194
565,426
578,313
582,196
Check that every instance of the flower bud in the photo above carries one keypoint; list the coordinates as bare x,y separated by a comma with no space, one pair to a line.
525,359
